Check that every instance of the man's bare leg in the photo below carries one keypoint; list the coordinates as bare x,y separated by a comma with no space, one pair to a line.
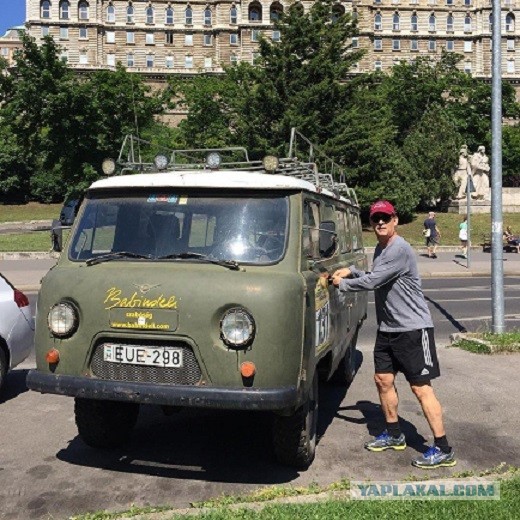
387,396
431,407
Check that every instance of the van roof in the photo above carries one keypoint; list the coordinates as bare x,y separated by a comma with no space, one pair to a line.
230,179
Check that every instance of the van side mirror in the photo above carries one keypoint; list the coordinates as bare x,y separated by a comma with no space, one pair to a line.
56,236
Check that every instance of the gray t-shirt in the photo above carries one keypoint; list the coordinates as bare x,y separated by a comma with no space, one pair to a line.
400,303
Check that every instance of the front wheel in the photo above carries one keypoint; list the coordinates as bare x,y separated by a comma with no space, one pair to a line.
294,436
3,368
104,424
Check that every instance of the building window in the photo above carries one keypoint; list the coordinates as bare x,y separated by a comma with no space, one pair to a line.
378,23
208,40
129,60
129,14
510,22
468,46
233,15
111,60
149,15
111,14
45,9
150,38
207,16
449,45
255,35
64,57
395,22
233,59
83,58
414,45
64,33
396,45
432,45
64,10
255,12
432,23
276,36
276,11
188,39
510,44
188,16
111,36
467,2
449,23
169,15
467,23
5,51
83,11
130,37
83,33
45,30
449,2
378,66
168,37
378,44
255,56
490,23
188,62
510,66
467,67
208,63
355,42
233,39
413,22
149,61
169,62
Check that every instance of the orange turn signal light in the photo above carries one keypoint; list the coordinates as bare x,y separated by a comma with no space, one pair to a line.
247,369
52,357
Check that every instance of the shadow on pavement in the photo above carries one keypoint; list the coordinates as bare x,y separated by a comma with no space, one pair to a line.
14,385
457,324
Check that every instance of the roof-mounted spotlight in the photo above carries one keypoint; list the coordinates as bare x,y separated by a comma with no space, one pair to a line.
108,166
270,163
213,160
160,161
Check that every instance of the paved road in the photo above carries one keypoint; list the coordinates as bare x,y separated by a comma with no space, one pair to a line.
45,470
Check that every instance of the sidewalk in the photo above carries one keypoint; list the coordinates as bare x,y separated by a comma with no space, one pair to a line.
25,270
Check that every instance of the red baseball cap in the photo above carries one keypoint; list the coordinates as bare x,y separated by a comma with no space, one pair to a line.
382,206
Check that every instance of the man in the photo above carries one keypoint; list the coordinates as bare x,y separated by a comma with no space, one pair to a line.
405,341
432,234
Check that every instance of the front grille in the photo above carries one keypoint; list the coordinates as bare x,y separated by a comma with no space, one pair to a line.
189,374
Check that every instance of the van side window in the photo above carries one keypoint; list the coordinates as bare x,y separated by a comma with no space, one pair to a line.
310,232
356,230
344,238
328,232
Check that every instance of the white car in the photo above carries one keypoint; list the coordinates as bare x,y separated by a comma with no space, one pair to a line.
16,328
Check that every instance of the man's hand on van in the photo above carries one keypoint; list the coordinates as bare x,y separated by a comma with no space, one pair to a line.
339,274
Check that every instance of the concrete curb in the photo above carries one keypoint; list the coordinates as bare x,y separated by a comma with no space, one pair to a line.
28,255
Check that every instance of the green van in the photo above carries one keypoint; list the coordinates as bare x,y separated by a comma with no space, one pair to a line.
203,285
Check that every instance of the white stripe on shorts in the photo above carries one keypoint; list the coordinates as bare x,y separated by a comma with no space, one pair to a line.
426,348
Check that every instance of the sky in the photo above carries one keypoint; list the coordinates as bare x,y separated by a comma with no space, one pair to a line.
12,12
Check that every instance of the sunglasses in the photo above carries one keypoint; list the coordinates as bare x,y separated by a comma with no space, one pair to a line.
377,217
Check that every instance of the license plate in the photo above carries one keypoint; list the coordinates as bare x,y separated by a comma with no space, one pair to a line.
149,356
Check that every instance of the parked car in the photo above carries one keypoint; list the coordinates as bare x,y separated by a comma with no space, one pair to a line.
16,328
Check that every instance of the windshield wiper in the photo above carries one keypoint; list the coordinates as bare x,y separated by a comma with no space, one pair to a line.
230,264
112,256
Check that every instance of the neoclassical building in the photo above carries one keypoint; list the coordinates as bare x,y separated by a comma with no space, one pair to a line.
161,37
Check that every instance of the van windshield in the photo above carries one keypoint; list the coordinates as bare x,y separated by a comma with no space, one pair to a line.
163,225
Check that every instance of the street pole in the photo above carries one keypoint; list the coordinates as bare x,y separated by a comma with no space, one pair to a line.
497,252
468,220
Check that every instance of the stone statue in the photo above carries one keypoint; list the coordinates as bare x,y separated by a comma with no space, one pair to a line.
480,169
460,177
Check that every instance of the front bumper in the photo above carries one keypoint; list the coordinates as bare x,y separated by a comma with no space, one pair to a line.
181,395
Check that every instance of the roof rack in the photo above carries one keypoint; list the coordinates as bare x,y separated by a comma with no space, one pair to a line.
305,161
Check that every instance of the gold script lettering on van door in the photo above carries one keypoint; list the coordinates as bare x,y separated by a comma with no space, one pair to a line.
115,298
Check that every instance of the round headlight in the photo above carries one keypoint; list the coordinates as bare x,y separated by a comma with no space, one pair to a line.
62,320
237,328
213,160
270,163
161,161
108,166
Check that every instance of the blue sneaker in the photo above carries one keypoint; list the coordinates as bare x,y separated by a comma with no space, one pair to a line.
385,441
433,458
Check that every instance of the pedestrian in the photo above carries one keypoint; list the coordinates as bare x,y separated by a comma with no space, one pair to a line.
405,340
432,235
463,237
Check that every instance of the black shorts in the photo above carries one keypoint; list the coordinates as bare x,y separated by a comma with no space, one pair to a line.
412,352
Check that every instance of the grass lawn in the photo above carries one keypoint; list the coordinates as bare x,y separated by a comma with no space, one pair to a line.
30,211
489,343
31,241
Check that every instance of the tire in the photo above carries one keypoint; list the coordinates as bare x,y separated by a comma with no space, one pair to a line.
104,424
3,369
294,436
